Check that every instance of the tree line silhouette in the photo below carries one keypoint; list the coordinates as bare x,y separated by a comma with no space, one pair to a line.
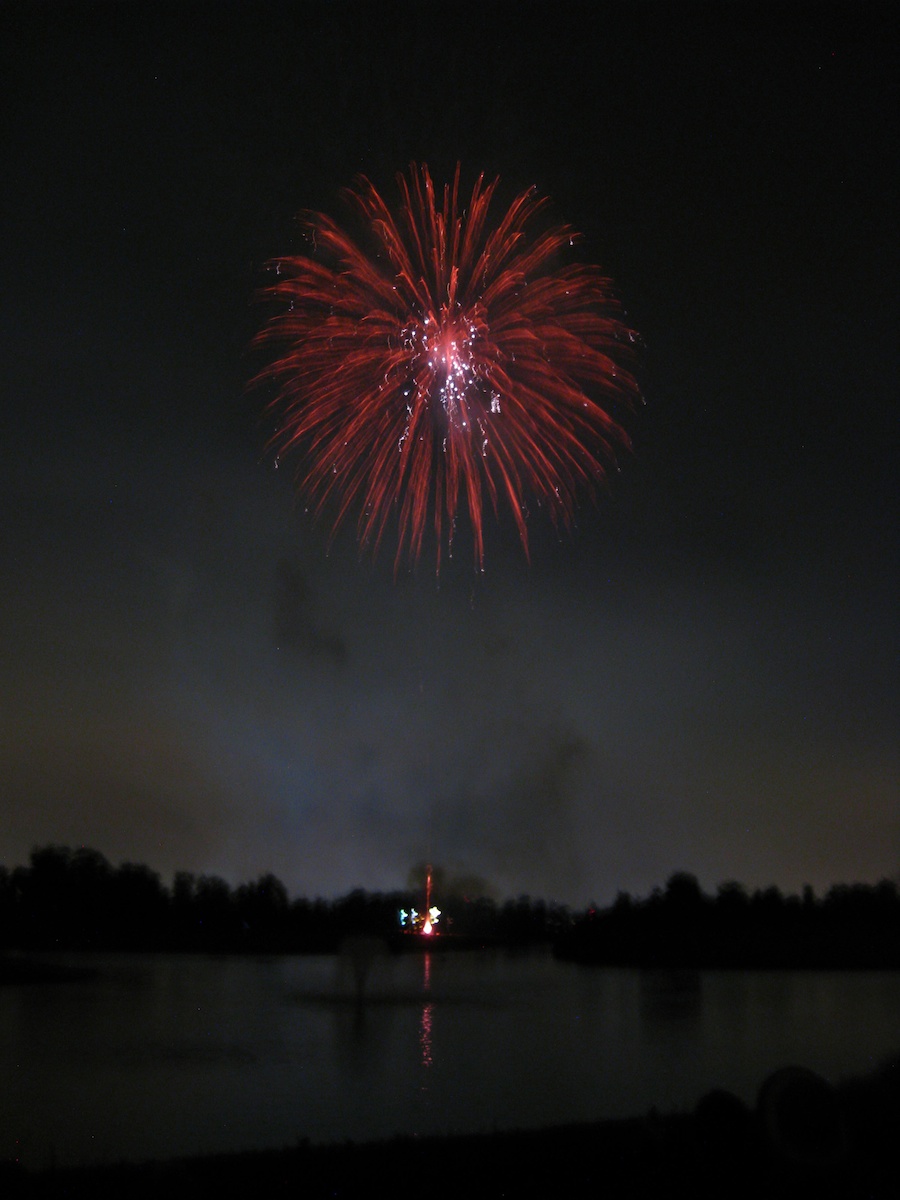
852,925
74,899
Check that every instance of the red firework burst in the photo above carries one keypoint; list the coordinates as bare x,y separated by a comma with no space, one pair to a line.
447,365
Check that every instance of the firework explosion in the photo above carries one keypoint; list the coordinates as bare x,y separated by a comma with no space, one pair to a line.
445,364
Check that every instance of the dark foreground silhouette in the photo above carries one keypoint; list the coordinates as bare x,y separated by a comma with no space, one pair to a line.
76,900
802,1139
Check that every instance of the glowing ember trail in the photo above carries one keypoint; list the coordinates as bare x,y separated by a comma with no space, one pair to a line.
440,364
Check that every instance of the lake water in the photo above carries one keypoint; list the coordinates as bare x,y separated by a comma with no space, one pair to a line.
165,1055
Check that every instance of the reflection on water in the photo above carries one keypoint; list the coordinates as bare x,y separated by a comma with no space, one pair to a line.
670,995
169,1055
427,1011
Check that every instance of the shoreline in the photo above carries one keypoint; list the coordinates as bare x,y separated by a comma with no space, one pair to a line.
803,1138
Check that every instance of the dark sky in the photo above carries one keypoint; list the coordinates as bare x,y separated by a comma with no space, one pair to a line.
703,677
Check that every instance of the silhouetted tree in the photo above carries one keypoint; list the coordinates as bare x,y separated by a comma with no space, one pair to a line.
262,909
7,909
45,898
216,918
683,894
92,896
141,906
185,926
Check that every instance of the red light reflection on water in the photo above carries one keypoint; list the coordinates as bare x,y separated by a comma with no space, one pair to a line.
427,1010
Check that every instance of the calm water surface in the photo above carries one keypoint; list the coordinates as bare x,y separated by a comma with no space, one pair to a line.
171,1055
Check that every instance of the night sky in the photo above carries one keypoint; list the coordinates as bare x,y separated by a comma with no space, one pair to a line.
703,677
